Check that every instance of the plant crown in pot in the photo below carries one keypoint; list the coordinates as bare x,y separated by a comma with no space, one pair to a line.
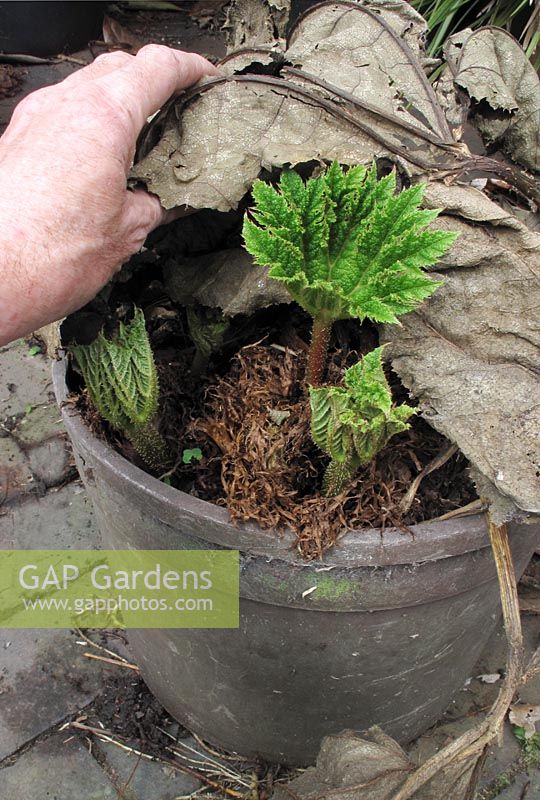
346,245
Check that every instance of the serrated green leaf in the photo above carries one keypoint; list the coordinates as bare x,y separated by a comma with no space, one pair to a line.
351,423
120,374
121,378
345,244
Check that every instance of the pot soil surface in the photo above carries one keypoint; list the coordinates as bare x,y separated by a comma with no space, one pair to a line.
250,419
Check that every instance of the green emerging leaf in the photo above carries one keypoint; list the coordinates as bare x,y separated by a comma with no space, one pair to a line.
121,378
345,244
192,454
120,374
351,423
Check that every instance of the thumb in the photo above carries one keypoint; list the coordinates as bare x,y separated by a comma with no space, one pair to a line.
141,214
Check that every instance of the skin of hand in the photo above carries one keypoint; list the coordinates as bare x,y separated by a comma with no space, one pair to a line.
67,220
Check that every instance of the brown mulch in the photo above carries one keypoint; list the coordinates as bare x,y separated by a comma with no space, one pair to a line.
257,416
259,461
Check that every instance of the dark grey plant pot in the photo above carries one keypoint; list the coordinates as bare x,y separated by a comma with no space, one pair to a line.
392,634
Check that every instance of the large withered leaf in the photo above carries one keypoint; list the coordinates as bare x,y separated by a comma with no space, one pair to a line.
352,767
375,51
249,23
226,280
371,766
232,131
219,137
493,68
472,353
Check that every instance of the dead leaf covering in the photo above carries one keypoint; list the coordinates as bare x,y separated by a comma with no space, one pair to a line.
225,280
472,353
492,67
217,141
247,22
356,91
525,716
370,767
352,767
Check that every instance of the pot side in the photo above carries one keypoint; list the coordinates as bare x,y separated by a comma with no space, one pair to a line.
392,634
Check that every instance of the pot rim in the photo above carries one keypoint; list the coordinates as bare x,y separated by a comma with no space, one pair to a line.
433,540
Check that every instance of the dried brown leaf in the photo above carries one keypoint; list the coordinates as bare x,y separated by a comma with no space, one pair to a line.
472,353
494,68
360,93
525,716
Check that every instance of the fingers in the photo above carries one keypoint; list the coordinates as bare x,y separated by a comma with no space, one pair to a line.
42,98
102,65
142,86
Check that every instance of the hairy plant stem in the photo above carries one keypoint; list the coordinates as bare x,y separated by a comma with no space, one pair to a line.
150,445
318,351
336,477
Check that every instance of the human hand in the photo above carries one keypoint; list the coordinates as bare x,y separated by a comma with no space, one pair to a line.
67,221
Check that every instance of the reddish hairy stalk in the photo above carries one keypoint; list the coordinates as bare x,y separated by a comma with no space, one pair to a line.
318,351
337,477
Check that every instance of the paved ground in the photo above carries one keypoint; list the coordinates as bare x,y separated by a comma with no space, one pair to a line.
46,681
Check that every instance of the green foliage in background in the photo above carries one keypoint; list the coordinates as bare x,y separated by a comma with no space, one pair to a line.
530,746
446,17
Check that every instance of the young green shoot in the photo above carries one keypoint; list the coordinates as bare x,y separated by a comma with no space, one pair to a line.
346,246
351,423
192,454
121,378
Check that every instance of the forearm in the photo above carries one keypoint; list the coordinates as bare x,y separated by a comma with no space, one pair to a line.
19,306
40,276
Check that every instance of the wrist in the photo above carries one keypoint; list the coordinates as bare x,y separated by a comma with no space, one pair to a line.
27,255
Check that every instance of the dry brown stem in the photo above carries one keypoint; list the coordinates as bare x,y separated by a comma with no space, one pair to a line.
112,661
439,460
472,744
533,667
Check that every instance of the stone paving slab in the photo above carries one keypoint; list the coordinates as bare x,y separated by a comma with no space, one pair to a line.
31,425
16,477
141,779
62,519
56,769
44,678
51,462
42,423
24,379
41,436
525,787
43,674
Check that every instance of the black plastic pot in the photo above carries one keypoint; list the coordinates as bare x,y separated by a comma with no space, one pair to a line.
391,633
48,28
